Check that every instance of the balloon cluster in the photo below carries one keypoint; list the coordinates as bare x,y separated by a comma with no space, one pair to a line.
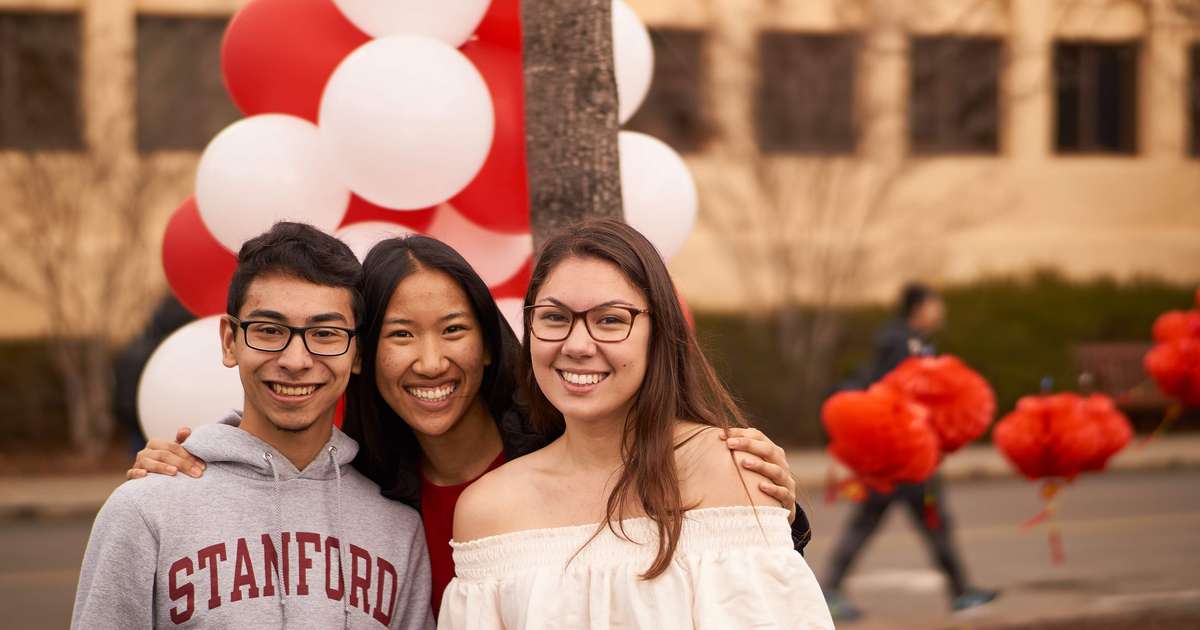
899,428
1174,361
371,120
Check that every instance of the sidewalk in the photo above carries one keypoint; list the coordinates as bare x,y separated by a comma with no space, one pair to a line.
82,495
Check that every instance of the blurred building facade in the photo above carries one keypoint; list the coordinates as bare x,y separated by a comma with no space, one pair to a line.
841,147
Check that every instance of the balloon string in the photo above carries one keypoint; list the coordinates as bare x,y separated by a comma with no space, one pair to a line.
1171,415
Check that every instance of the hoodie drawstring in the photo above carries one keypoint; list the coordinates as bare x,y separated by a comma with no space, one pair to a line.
344,544
278,535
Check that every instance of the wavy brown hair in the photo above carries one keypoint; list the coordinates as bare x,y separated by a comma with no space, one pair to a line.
679,383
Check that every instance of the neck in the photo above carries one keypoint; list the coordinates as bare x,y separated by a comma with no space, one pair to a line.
299,447
464,452
594,444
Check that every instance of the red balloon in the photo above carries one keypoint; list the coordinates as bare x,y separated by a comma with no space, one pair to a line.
882,435
277,55
198,268
515,286
502,24
1051,436
961,403
498,197
1175,367
361,210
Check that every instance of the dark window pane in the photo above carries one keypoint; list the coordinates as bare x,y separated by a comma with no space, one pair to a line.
39,81
182,102
1194,98
955,95
806,93
673,110
1096,92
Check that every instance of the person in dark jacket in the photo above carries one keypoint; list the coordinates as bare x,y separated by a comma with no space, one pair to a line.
921,314
434,405
128,366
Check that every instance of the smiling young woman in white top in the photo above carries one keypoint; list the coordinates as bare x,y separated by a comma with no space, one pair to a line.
637,516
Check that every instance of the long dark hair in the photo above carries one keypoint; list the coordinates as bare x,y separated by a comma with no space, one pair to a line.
388,452
679,382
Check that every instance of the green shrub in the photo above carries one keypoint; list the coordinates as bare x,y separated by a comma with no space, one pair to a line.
1013,331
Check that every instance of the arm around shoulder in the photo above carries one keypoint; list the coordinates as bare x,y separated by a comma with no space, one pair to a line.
712,476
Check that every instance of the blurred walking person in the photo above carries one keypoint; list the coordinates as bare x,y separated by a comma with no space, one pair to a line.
921,313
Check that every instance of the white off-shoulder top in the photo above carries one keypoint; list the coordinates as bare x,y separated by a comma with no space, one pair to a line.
732,569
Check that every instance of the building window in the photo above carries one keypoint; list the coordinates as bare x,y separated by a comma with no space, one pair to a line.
674,109
181,99
1096,87
1194,98
806,93
955,95
39,81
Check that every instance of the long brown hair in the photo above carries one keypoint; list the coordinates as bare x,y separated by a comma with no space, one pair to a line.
679,382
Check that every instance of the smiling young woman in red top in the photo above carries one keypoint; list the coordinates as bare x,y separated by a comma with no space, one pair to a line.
433,407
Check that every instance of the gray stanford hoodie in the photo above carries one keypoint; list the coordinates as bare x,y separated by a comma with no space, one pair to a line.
255,543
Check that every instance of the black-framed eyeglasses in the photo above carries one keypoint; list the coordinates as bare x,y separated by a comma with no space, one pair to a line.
267,336
605,323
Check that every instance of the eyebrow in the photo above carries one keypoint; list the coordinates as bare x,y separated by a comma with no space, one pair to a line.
557,302
321,318
408,322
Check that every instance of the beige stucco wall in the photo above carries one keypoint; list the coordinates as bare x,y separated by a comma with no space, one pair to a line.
949,219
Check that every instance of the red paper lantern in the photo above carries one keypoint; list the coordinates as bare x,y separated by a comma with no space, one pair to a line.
1050,437
882,435
498,197
1174,325
961,403
198,268
1175,367
1114,427
278,55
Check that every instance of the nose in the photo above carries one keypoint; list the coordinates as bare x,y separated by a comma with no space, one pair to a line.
432,361
295,357
578,343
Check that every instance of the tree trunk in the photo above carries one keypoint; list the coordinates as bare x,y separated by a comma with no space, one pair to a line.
570,113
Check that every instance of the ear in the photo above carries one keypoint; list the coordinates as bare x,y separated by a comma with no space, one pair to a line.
487,357
357,367
228,341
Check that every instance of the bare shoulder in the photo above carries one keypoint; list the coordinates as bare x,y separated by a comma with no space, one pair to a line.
709,473
492,504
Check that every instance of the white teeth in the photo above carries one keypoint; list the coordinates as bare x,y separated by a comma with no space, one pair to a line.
581,379
285,390
433,394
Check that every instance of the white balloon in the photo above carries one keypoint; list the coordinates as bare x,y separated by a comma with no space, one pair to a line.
494,255
452,21
407,121
513,310
658,191
264,169
633,59
361,237
185,384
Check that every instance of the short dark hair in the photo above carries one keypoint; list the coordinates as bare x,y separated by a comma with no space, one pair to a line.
912,296
302,251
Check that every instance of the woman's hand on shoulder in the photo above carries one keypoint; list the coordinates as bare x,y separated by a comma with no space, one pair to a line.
166,458
712,475
754,451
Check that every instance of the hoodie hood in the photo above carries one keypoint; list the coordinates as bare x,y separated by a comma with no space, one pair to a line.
225,443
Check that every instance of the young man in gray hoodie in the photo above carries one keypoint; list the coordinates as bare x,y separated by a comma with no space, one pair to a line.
281,532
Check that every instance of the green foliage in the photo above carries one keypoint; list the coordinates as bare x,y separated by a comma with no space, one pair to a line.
1013,331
